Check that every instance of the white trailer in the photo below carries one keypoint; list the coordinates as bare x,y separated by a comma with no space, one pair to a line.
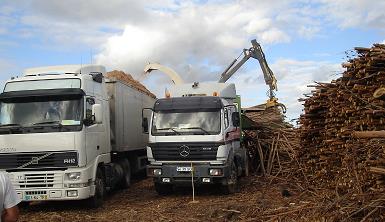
67,133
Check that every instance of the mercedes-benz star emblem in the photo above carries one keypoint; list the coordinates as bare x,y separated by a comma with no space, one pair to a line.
184,151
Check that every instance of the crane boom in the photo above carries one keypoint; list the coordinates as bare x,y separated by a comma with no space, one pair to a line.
255,52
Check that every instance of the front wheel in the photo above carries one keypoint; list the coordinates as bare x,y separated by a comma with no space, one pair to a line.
100,190
126,180
246,170
232,185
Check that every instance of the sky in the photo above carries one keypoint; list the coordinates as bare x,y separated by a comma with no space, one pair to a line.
304,41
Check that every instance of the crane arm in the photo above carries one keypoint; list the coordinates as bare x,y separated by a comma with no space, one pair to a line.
231,69
255,52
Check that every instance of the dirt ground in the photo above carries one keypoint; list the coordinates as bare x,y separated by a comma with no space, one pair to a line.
259,199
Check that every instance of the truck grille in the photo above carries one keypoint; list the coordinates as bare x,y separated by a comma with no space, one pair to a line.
185,151
38,160
37,180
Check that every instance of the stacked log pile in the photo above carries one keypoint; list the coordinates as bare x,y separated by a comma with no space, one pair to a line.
127,78
341,130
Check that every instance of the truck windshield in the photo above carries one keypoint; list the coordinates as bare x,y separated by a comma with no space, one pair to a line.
186,123
41,111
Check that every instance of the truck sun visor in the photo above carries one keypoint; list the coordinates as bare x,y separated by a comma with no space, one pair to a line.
183,103
44,92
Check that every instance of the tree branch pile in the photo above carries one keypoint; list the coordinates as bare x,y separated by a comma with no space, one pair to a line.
272,143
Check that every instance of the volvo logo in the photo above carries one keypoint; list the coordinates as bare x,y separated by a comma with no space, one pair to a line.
35,160
184,151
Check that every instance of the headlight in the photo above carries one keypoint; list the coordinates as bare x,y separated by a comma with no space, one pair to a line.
72,193
156,172
215,172
73,176
78,185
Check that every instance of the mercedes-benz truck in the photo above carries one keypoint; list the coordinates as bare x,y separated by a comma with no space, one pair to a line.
195,136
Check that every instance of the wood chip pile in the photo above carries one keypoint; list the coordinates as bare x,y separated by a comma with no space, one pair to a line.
342,137
127,78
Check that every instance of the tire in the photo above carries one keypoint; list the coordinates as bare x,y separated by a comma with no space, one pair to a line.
23,204
246,170
232,185
163,189
100,191
126,180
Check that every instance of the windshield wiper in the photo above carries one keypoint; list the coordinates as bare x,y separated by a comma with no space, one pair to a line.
56,124
48,123
200,128
10,127
10,124
53,124
170,128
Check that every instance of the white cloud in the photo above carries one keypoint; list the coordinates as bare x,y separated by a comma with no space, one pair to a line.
308,32
132,47
70,23
196,34
99,13
8,68
274,35
355,13
5,23
257,25
73,22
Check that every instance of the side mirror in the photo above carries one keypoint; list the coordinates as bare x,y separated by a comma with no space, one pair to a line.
145,120
97,112
145,125
235,119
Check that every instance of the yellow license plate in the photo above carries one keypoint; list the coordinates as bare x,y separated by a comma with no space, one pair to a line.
36,197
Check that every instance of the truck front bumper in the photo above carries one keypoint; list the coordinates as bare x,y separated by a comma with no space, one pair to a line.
52,185
55,194
200,173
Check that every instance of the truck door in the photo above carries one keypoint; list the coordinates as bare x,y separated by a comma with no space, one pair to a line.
94,132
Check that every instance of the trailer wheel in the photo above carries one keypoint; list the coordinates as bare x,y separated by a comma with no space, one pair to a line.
163,189
126,180
100,191
23,204
246,170
232,185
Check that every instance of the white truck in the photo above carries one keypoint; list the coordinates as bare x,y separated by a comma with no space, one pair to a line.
68,133
195,135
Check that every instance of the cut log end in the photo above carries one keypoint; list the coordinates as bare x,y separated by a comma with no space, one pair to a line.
379,93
